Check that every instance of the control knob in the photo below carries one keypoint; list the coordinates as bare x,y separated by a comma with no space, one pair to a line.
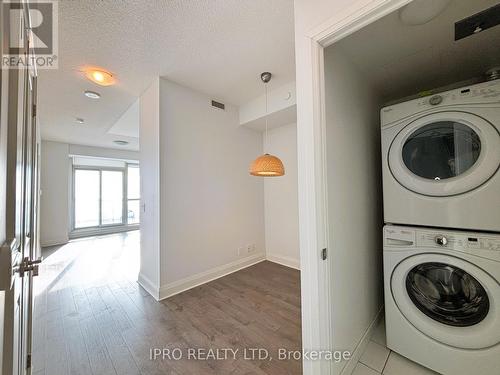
435,100
441,240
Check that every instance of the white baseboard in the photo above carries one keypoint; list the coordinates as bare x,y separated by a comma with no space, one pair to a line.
362,344
149,286
284,260
182,285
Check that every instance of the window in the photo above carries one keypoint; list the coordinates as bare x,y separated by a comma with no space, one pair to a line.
133,193
106,193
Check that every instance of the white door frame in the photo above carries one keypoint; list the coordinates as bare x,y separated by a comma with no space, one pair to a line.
317,301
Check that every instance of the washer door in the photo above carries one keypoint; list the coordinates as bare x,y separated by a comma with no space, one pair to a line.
448,299
445,154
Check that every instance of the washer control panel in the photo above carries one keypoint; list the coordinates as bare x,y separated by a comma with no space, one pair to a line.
457,241
480,244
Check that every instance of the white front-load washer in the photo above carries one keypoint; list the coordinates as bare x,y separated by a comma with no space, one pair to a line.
441,159
442,298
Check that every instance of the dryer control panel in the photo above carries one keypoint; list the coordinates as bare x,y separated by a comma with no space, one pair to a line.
482,93
469,95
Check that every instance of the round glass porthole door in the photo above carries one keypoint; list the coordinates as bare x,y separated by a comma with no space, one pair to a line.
447,294
445,153
448,299
441,150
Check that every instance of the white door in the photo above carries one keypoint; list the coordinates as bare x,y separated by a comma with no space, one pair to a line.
445,153
20,250
448,299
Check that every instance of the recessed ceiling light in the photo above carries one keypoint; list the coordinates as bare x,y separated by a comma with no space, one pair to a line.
91,94
100,76
79,120
120,142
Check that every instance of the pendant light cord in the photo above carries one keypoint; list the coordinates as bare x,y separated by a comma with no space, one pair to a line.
266,137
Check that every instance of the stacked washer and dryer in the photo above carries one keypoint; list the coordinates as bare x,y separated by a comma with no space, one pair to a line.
441,183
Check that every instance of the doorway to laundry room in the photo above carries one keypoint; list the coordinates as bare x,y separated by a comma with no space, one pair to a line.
411,137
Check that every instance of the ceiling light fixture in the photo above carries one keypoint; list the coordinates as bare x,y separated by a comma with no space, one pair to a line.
91,94
267,165
120,142
100,76
79,120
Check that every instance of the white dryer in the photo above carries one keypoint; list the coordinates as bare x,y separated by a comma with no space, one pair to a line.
442,298
441,159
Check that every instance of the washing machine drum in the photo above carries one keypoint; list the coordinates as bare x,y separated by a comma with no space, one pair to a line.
445,153
447,294
448,299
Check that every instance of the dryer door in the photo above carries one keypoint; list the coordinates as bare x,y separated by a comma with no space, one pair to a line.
445,153
448,299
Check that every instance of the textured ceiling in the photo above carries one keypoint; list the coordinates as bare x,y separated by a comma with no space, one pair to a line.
402,60
218,47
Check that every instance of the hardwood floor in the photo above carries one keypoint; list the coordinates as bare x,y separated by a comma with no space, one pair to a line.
91,317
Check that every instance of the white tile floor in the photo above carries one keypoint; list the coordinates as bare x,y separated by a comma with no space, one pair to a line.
377,359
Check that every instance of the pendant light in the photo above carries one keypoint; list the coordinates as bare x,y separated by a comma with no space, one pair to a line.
267,165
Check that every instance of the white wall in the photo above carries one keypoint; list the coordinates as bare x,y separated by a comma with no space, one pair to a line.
128,123
203,208
278,99
210,205
55,177
101,152
354,200
149,130
281,201
54,202
310,15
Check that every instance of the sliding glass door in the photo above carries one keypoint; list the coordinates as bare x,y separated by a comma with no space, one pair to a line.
106,194
98,195
87,184
111,197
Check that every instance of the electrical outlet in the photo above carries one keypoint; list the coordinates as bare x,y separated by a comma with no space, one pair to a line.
251,248
241,250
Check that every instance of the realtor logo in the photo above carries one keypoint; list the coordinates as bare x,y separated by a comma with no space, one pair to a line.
40,24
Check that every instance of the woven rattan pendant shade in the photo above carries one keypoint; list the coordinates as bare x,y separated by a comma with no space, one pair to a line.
267,166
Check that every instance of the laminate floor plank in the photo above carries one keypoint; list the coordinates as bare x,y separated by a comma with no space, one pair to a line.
56,357
78,358
100,360
92,318
121,357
